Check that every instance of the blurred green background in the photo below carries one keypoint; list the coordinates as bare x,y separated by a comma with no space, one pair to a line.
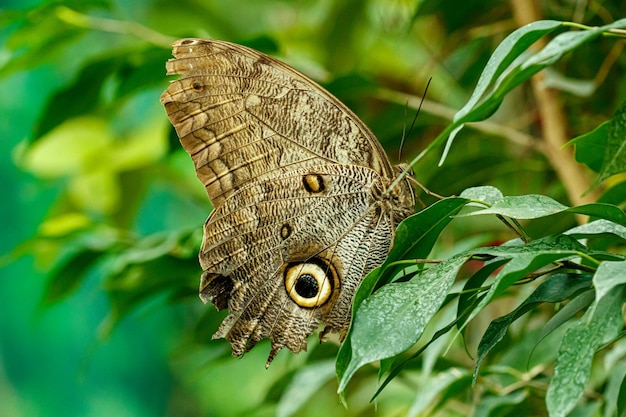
102,213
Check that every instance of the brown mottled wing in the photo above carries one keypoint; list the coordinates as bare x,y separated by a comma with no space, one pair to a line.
242,115
244,242
293,176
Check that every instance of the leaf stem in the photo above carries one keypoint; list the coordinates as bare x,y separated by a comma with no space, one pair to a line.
515,226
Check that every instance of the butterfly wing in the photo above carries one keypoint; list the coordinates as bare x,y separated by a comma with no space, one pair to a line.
298,185
242,115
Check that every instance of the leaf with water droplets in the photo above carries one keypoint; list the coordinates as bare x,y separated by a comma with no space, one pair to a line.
600,324
393,319
523,207
487,194
557,288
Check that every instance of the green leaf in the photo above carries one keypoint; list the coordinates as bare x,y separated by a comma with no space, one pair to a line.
522,207
264,43
138,283
562,44
69,275
615,152
488,194
621,399
614,194
77,145
597,227
492,405
555,289
305,383
535,206
79,98
31,47
509,49
507,52
524,260
604,148
433,387
482,105
602,211
600,324
570,85
613,392
468,299
395,366
139,71
608,276
149,248
393,319
565,314
416,236
590,147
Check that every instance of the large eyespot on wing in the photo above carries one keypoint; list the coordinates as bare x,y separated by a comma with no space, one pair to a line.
311,284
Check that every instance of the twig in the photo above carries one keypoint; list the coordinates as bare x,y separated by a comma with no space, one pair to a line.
75,18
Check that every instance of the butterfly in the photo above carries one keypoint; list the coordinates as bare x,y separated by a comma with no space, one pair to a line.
300,186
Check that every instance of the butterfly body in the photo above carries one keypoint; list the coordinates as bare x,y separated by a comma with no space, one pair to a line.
302,210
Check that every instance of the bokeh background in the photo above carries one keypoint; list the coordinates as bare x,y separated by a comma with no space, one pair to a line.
101,211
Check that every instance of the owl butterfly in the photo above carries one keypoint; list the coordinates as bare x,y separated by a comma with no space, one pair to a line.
299,185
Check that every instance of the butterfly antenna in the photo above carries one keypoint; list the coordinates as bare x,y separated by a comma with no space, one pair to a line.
406,106
408,168
417,113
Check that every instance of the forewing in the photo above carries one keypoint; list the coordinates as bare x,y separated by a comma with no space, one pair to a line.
243,115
